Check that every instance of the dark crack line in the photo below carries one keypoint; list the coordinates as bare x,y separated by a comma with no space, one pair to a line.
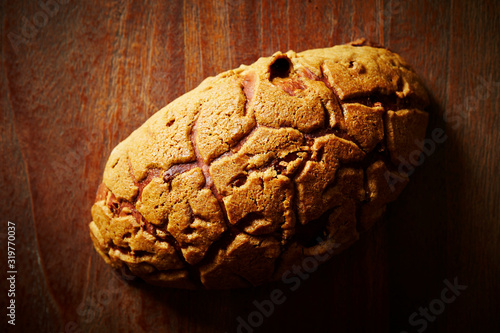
205,168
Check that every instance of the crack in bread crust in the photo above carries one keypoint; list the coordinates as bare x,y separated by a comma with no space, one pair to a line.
260,167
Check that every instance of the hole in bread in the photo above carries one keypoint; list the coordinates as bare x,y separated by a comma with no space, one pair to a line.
291,157
319,154
280,68
139,253
239,180
188,230
282,77
114,206
278,166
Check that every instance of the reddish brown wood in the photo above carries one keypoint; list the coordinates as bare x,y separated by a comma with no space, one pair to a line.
94,71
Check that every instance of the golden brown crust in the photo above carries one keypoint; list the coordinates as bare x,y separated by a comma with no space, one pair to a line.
260,167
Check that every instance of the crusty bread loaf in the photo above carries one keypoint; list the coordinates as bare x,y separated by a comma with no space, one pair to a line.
261,167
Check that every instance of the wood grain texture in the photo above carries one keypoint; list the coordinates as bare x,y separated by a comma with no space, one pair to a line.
91,72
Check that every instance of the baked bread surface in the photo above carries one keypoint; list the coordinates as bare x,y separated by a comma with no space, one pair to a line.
260,167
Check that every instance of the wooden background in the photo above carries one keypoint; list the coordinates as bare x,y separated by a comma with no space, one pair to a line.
92,71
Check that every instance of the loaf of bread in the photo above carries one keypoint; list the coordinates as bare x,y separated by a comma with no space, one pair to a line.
260,168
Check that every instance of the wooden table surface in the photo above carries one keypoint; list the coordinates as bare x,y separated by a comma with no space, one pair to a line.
78,77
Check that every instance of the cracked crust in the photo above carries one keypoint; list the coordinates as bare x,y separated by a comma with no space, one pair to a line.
256,169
